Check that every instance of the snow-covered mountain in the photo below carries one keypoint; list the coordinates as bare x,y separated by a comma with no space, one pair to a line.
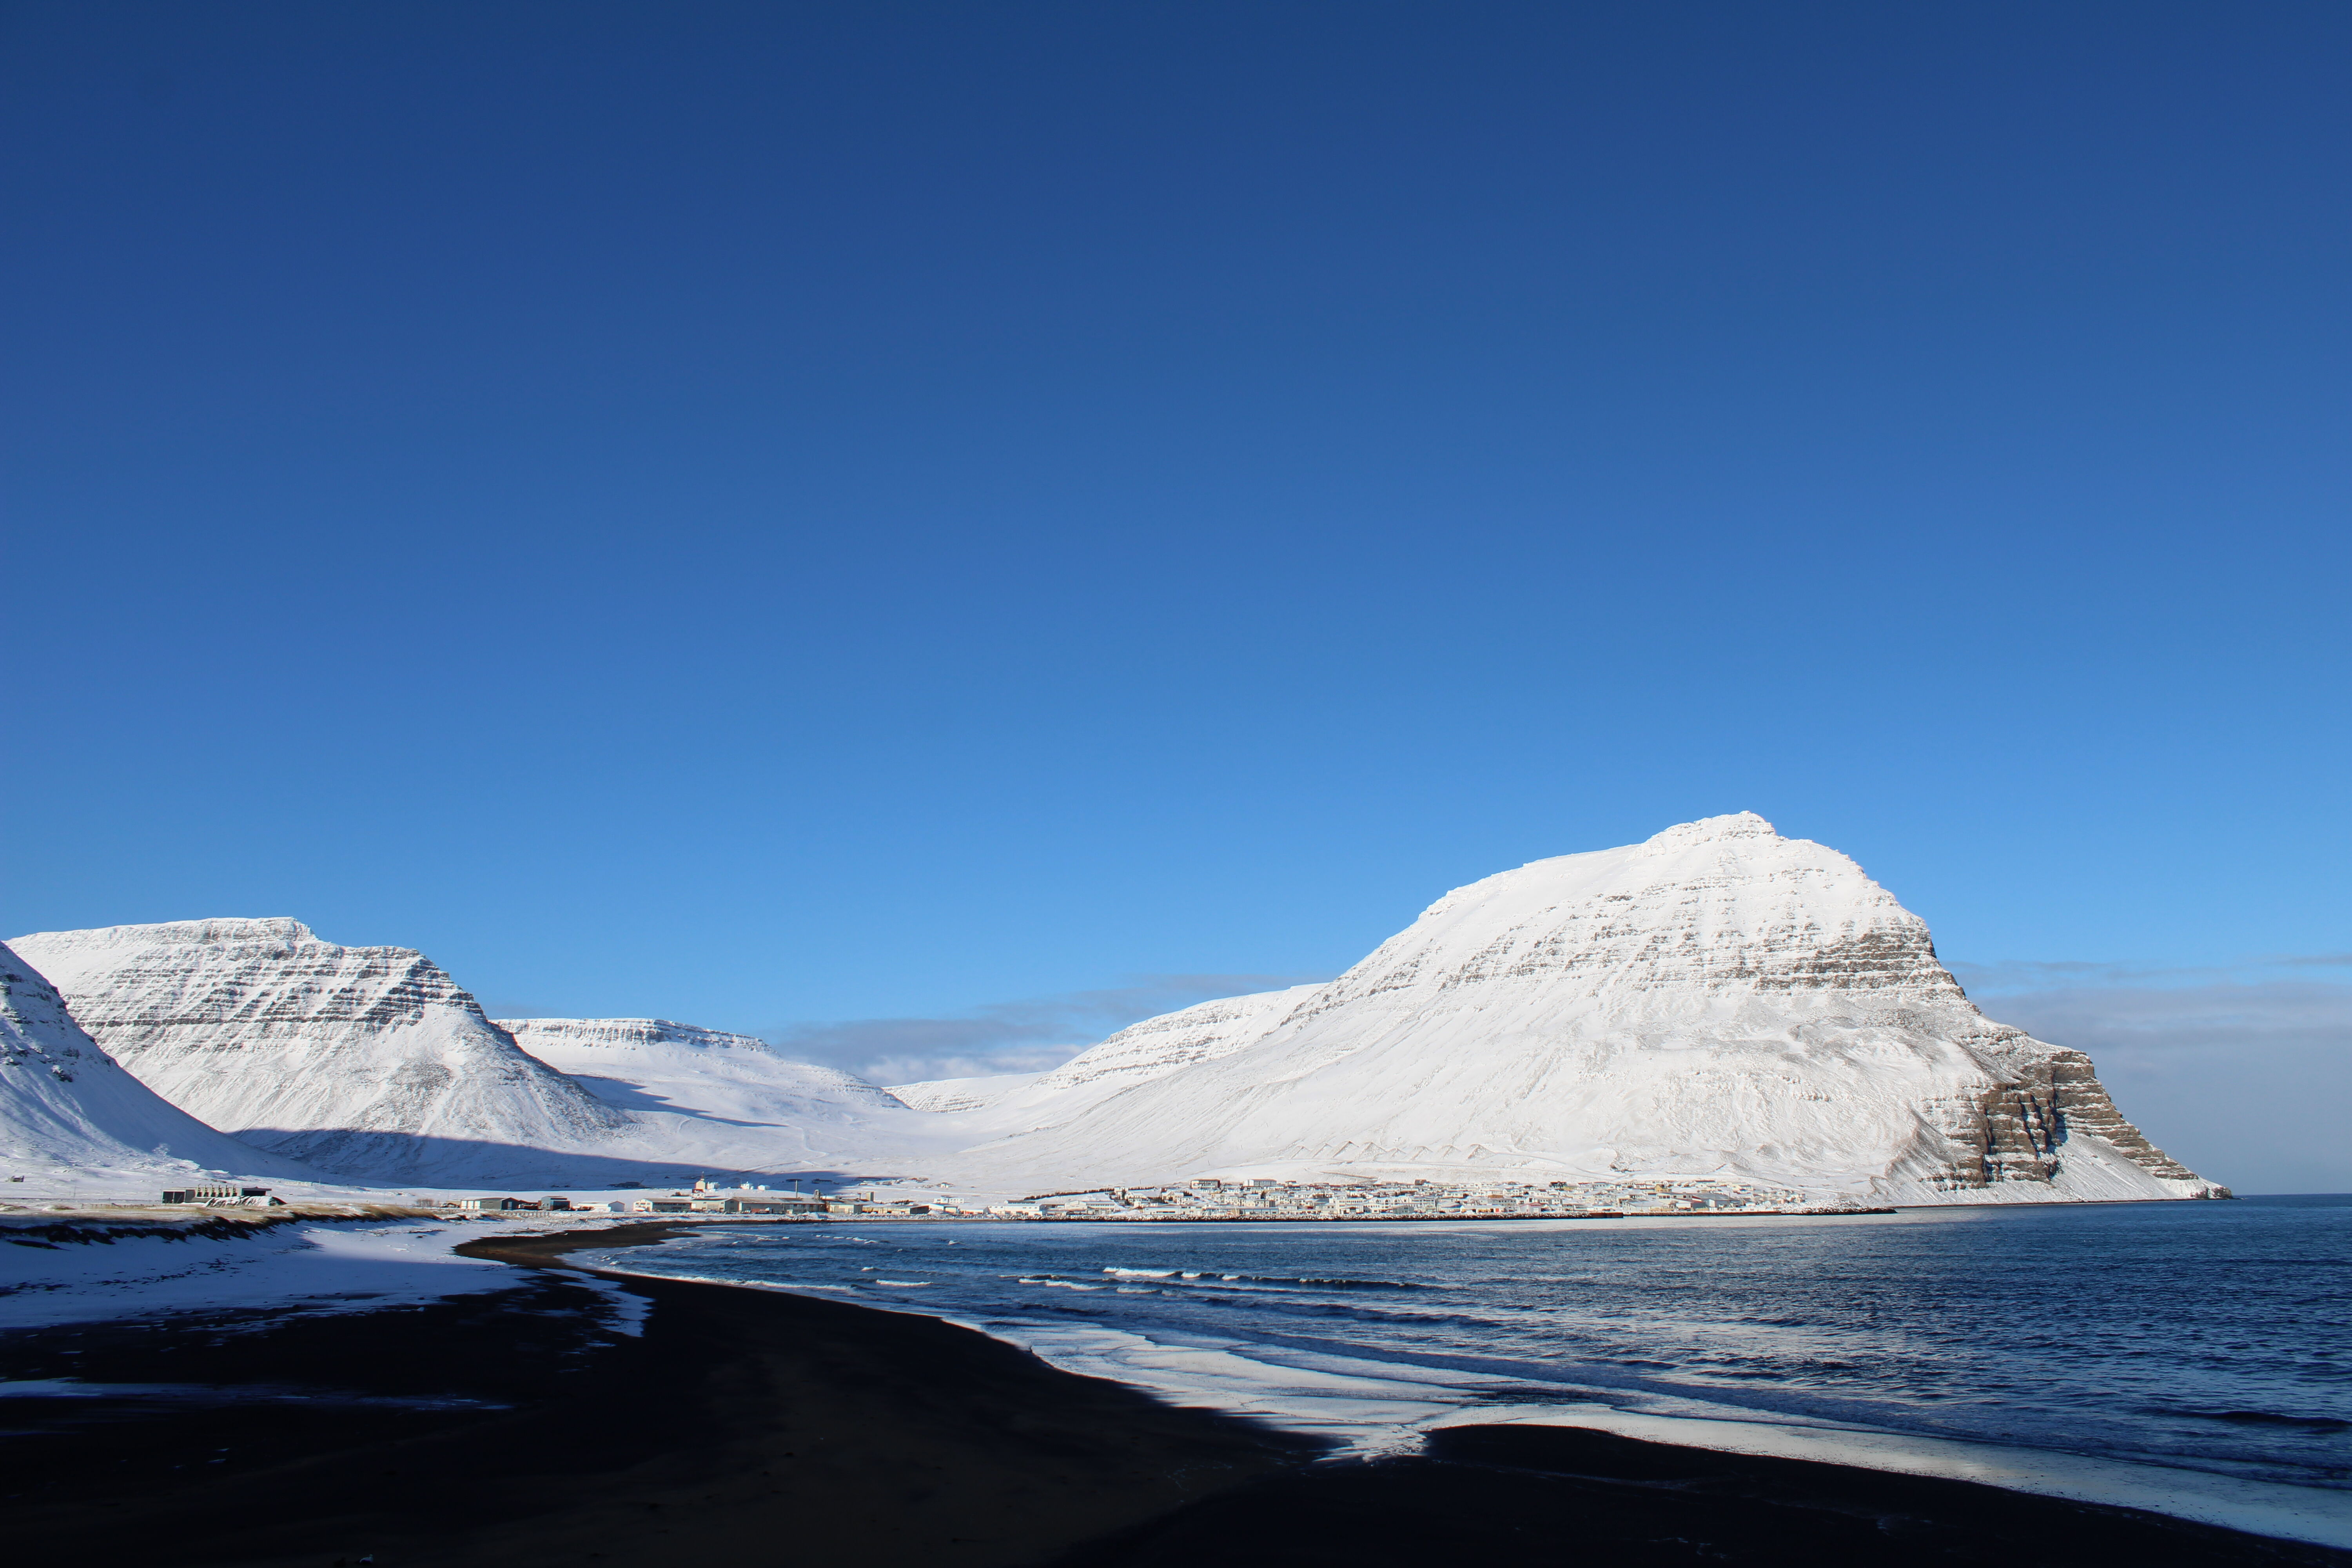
1174,1041
1715,1000
727,1101
993,1107
372,1063
367,1061
69,1116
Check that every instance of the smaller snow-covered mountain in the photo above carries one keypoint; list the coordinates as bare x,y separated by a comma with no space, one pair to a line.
68,1110
1158,1047
988,1108
372,1063
367,1061
730,1101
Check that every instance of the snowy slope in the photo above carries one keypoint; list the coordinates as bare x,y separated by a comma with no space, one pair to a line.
367,1061
1158,1047
1137,1054
68,1110
727,1101
1718,999
963,1093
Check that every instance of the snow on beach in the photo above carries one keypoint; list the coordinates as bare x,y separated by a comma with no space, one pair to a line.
1379,1407
322,1265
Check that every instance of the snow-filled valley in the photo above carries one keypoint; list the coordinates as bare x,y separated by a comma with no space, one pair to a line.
1716,1001
731,1103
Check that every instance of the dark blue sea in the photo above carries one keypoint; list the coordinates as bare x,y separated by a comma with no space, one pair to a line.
2194,1356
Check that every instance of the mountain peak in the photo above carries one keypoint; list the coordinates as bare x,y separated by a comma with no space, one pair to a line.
1711,830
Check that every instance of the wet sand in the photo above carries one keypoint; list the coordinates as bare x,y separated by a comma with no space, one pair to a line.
751,1428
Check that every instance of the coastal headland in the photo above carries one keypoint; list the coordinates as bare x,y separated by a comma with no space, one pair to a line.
751,1427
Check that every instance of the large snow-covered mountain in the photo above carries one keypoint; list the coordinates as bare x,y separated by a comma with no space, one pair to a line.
730,1101
367,1061
1717,1000
69,1115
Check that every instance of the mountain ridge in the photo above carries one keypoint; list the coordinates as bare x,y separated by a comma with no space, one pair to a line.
1715,1000
369,1062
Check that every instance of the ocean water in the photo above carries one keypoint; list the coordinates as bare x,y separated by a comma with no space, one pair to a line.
2195,1357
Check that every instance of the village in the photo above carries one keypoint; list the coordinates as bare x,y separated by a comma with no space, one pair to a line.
1208,1199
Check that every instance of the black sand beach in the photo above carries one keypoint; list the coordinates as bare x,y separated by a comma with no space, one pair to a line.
753,1428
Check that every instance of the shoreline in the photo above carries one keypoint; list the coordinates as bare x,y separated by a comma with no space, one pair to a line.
521,1428
1228,1218
763,1426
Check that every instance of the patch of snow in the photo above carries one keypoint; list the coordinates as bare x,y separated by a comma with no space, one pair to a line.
322,1267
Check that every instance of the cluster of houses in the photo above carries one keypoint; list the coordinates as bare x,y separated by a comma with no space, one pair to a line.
1264,1198
709,1197
1255,1199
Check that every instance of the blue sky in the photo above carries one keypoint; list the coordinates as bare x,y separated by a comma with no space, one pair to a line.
939,529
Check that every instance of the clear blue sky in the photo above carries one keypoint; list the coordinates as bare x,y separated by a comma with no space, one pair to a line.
785,514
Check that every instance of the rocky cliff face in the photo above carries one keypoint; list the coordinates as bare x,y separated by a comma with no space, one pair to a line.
68,1111
1718,999
367,1061
2013,1131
